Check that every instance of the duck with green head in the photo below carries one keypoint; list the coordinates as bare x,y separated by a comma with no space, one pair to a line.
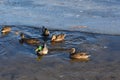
42,50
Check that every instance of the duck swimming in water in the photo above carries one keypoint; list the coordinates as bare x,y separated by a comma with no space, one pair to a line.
6,29
28,40
79,55
42,50
58,38
45,31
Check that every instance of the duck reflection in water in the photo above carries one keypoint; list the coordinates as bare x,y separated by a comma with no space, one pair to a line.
39,57
79,60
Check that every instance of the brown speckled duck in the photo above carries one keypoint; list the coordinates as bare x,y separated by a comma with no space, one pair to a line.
58,38
79,55
6,29
28,40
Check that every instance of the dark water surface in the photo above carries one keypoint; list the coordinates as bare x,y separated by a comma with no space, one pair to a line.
20,62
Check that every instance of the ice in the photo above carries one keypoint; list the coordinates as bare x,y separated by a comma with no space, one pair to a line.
100,16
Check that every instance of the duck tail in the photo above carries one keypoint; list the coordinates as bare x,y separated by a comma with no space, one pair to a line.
45,45
89,55
2,31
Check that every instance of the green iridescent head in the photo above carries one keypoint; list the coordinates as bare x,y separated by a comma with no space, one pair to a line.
39,48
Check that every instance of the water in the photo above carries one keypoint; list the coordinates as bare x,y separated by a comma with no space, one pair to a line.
20,62
99,16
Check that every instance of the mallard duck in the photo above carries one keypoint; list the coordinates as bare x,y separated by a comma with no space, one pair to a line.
79,55
42,50
28,40
57,38
6,29
45,31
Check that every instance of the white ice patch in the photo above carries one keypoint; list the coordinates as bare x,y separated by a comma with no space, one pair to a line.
100,16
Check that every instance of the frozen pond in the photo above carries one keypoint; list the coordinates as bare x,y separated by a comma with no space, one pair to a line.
101,16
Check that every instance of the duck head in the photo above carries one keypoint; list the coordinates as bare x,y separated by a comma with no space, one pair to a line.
22,38
53,37
22,35
72,51
63,35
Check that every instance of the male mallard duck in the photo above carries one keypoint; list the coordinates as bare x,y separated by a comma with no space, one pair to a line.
79,55
6,29
42,50
57,38
29,40
45,31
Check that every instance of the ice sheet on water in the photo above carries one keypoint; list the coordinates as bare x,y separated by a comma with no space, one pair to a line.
101,16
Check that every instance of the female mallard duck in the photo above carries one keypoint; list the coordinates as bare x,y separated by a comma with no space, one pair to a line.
42,50
45,31
28,40
79,55
57,38
6,29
